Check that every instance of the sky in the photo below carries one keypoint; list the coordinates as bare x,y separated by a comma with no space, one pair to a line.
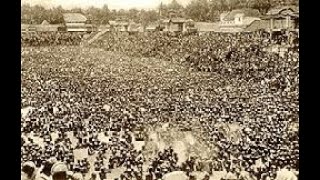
112,4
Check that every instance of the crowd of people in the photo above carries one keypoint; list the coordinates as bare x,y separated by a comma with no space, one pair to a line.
51,38
208,52
81,93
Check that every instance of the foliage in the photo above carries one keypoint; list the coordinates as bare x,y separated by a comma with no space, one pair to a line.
198,10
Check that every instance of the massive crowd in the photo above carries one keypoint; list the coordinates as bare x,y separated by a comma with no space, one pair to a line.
79,94
208,52
51,38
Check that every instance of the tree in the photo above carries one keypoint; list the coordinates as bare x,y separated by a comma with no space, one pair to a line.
113,14
26,13
198,10
262,5
232,4
295,2
55,15
105,14
214,11
164,10
175,7
94,15
99,16
147,17
76,10
222,5
38,14
133,14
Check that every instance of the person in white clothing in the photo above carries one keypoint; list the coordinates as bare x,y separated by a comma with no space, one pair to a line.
285,174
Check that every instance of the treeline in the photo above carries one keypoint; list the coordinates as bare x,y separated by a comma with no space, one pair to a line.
198,10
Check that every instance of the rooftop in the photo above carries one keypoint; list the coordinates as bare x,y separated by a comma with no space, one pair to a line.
278,10
74,17
282,12
229,16
118,23
175,20
45,22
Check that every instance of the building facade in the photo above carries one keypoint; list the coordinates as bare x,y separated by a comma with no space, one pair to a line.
238,20
76,22
283,18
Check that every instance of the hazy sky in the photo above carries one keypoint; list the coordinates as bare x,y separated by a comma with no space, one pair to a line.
112,4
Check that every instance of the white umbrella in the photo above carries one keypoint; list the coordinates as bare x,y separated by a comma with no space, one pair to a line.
176,175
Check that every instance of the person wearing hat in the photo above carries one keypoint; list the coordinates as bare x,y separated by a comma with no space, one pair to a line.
285,174
247,174
59,171
150,175
94,176
77,176
29,171
244,174
46,170
231,175
103,173
70,175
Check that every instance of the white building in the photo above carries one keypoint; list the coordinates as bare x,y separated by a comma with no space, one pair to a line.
75,22
237,20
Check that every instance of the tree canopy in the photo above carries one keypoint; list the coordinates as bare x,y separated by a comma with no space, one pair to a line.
198,10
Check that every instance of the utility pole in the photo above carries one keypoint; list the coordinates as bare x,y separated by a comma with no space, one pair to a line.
160,11
160,16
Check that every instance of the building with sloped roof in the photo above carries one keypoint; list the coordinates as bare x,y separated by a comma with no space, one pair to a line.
45,22
77,22
134,27
237,17
257,25
119,25
238,20
152,27
175,24
283,18
237,13
282,10
74,18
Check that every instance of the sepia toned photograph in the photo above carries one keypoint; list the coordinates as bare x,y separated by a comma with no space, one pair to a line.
159,89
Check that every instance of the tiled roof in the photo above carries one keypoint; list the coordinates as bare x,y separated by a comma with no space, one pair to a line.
74,17
247,21
118,23
278,10
45,22
175,20
247,13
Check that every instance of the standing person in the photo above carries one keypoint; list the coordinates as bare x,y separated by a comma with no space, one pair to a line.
94,176
285,174
46,170
59,171
150,175
29,171
231,175
77,176
103,173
